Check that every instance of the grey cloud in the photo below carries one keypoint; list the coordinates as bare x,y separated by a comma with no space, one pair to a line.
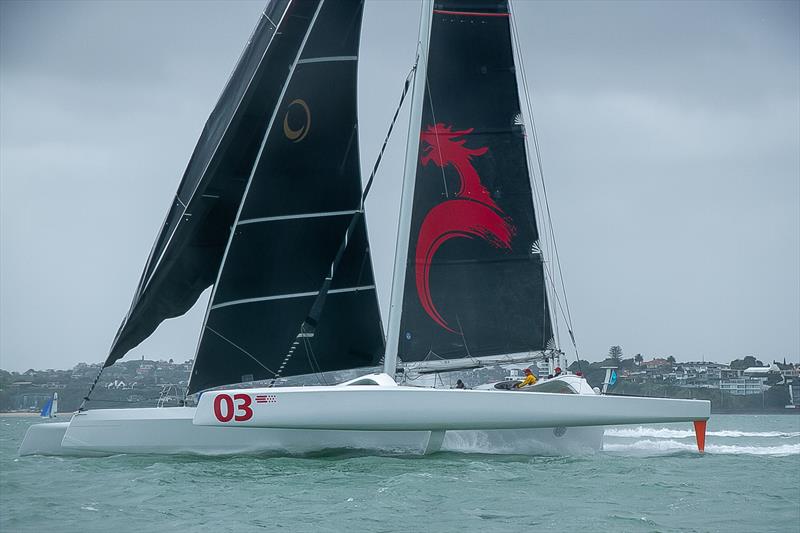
669,133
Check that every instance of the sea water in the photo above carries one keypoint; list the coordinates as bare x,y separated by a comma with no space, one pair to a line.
647,478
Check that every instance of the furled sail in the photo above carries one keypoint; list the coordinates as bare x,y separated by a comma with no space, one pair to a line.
303,191
474,284
187,253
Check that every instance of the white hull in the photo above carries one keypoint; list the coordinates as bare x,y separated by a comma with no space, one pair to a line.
170,431
376,403
378,417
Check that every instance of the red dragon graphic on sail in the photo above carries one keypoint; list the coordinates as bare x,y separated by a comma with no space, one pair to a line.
472,214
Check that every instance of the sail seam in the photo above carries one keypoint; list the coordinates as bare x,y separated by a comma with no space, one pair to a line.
294,217
328,59
289,296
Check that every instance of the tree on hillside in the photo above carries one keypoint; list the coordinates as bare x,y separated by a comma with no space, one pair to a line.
747,362
581,365
615,354
671,360
638,359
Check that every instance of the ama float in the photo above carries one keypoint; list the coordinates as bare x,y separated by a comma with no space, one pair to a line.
293,288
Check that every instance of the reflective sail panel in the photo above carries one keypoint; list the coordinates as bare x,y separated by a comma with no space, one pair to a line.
474,283
305,188
188,251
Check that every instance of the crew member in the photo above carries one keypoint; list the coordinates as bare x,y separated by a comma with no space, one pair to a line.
530,379
460,385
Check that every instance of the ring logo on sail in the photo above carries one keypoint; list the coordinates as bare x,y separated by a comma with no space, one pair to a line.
472,214
297,112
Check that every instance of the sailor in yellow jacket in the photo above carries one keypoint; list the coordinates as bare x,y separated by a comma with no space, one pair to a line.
530,379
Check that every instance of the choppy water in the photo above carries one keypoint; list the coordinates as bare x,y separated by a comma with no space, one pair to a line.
648,478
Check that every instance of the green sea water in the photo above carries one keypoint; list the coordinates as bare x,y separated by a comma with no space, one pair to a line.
648,478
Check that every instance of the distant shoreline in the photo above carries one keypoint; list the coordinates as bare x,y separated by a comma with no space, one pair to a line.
18,414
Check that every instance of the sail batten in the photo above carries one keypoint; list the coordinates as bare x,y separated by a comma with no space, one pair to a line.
326,59
299,215
288,296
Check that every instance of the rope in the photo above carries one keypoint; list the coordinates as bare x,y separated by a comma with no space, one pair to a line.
248,354
438,144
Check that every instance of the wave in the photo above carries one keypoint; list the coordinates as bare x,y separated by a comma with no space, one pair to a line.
665,433
667,446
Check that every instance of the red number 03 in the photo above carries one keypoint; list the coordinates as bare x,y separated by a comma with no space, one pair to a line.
233,410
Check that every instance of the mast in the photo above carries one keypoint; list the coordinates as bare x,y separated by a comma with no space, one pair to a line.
407,194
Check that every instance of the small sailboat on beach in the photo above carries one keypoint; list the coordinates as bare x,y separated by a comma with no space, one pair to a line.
271,214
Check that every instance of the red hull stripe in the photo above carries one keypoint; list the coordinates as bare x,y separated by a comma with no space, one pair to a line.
469,13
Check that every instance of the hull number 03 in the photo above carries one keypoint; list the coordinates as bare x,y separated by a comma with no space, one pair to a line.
238,407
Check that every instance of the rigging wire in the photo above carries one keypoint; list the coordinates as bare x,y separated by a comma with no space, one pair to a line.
91,387
438,144
568,315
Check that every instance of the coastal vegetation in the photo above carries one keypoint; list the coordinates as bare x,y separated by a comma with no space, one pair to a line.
140,383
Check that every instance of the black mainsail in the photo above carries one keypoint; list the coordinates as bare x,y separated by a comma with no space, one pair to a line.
187,253
303,190
474,277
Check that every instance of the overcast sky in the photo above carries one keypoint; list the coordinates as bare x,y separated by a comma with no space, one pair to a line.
669,135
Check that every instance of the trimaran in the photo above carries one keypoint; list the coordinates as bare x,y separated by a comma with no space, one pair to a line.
270,213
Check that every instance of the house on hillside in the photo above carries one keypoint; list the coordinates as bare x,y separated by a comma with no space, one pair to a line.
788,370
751,380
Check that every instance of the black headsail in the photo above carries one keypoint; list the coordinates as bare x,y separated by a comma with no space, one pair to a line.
187,253
301,196
474,284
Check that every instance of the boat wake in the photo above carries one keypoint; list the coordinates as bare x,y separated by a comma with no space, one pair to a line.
546,442
666,433
647,440
648,446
